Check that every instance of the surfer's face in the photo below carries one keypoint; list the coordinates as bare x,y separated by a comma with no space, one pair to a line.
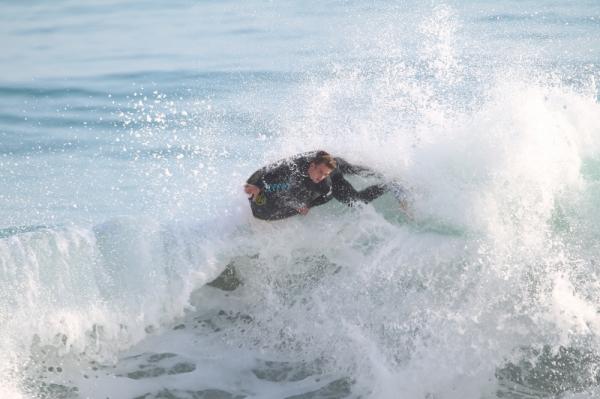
318,173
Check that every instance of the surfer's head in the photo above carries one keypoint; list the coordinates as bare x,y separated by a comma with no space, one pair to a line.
321,166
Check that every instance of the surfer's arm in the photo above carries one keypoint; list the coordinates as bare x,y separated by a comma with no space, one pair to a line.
275,173
255,183
347,168
265,176
345,193
256,179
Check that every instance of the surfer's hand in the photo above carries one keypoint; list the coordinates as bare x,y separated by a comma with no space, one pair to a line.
303,210
251,190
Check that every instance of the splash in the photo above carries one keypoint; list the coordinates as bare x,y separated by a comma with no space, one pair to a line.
506,156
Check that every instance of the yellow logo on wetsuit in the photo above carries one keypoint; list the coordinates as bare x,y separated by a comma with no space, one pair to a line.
260,199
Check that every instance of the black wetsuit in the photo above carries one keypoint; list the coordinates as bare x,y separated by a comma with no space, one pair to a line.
286,187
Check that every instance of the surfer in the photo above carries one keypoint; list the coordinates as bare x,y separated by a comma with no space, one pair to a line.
293,185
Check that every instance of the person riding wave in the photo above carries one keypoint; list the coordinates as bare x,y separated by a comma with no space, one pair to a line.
293,185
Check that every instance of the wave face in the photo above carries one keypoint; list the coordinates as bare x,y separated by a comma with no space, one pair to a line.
122,203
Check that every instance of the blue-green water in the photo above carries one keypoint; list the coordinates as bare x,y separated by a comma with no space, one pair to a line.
127,129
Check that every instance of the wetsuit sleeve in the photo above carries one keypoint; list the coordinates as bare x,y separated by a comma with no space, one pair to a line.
347,168
280,197
344,192
269,174
257,178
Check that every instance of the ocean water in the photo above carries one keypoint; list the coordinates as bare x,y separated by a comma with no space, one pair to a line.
127,129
